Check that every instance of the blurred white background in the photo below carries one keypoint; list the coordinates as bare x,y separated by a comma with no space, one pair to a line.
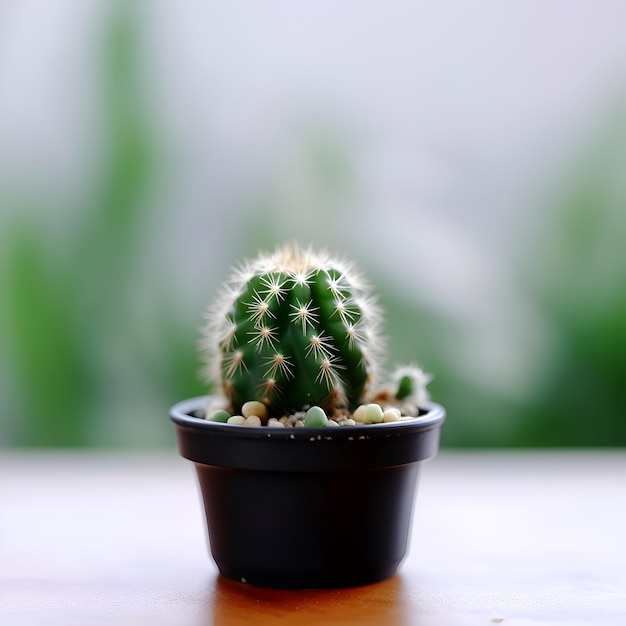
434,143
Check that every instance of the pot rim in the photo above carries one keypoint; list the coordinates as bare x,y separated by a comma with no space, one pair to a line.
181,414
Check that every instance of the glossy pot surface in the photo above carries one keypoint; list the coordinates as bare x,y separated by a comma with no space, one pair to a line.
307,507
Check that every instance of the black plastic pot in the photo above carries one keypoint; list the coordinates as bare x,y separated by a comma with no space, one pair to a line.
307,507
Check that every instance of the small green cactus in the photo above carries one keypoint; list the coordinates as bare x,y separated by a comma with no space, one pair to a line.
294,329
409,384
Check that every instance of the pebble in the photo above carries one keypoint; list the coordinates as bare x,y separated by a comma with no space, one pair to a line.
238,420
391,415
256,414
373,414
359,414
254,408
316,417
218,416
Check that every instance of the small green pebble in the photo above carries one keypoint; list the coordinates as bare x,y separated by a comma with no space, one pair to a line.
219,416
373,414
316,417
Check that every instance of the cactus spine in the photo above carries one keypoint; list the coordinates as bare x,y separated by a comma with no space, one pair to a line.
293,329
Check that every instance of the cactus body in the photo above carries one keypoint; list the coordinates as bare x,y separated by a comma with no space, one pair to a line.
292,330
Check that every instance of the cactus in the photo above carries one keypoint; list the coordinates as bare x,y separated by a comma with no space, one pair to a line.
410,383
293,329
406,390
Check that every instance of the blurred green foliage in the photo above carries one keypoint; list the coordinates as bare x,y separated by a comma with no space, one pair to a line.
576,272
86,369
64,313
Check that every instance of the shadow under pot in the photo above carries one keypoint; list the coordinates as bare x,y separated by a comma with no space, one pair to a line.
307,507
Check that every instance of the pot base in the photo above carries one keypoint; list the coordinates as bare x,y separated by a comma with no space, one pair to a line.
308,529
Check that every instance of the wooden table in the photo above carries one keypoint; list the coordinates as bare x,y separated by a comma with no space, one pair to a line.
508,537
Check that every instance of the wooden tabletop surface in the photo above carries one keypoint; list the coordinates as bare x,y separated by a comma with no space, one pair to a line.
516,538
